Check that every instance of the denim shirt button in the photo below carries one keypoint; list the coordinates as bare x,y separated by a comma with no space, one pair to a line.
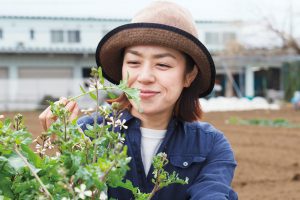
185,164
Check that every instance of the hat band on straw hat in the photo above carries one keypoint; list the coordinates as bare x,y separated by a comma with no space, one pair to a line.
109,53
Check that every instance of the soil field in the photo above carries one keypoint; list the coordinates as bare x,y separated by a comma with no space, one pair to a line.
268,158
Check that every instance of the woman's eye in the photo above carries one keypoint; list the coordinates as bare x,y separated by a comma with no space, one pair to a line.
132,63
163,66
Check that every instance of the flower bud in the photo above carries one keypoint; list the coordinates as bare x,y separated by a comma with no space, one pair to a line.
115,106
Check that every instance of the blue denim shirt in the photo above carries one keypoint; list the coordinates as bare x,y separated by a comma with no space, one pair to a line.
195,150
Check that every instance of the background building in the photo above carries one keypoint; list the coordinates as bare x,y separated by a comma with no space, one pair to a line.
52,56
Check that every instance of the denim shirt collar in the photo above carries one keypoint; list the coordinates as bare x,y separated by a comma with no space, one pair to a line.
128,117
173,123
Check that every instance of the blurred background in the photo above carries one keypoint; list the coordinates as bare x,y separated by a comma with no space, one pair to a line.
47,49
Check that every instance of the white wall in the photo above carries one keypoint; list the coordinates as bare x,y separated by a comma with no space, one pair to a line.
16,30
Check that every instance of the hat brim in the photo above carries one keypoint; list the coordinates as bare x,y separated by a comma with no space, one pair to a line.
110,49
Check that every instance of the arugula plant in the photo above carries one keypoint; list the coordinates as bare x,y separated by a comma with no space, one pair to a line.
85,164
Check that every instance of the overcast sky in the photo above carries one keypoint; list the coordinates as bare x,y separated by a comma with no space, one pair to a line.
279,12
201,9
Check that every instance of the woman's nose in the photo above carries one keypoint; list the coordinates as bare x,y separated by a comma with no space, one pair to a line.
146,74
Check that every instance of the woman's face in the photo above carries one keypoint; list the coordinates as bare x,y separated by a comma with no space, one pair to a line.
160,74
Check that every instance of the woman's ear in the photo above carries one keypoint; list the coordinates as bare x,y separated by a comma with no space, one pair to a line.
189,78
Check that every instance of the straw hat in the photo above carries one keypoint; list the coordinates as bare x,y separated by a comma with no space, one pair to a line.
161,23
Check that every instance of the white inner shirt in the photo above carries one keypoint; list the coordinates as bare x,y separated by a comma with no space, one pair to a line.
150,141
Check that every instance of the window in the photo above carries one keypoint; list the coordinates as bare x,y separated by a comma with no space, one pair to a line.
74,36
3,72
228,37
57,36
212,38
32,34
1,34
47,72
86,72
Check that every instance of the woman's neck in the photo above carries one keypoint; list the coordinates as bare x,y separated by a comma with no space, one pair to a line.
156,121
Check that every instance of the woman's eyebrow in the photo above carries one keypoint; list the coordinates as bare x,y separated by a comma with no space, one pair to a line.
161,55
134,52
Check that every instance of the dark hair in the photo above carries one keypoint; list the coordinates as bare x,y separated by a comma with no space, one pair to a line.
187,107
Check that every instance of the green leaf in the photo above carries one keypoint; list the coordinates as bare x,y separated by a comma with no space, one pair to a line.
131,93
6,126
127,185
82,89
32,157
6,169
93,96
101,78
7,123
111,95
16,162
29,187
5,188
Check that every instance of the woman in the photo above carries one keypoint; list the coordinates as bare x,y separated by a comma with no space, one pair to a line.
164,59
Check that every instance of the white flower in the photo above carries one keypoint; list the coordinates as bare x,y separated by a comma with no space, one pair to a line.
112,121
65,198
121,124
103,196
186,179
118,122
38,146
40,149
57,155
43,151
1,116
104,111
82,193
35,140
120,115
48,144
93,85
87,111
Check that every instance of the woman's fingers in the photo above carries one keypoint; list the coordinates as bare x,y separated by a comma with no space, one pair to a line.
42,117
74,112
50,118
46,117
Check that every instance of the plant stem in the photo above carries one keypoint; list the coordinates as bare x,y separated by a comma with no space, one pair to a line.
155,189
91,91
107,171
156,186
65,127
95,121
87,153
32,171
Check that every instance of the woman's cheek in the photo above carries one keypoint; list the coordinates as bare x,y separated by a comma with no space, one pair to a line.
130,77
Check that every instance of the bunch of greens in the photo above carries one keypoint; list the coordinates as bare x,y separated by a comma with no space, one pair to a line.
85,164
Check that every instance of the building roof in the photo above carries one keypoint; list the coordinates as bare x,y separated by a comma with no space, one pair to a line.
39,50
62,18
94,19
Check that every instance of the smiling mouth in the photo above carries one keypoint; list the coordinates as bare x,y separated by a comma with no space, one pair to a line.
148,93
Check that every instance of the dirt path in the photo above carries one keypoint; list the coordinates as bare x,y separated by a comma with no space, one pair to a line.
268,158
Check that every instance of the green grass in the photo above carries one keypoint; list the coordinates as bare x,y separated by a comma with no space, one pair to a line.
279,122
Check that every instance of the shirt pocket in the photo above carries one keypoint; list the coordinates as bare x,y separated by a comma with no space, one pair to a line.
185,161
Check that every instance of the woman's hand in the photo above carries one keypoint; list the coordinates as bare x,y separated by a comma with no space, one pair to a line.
46,117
